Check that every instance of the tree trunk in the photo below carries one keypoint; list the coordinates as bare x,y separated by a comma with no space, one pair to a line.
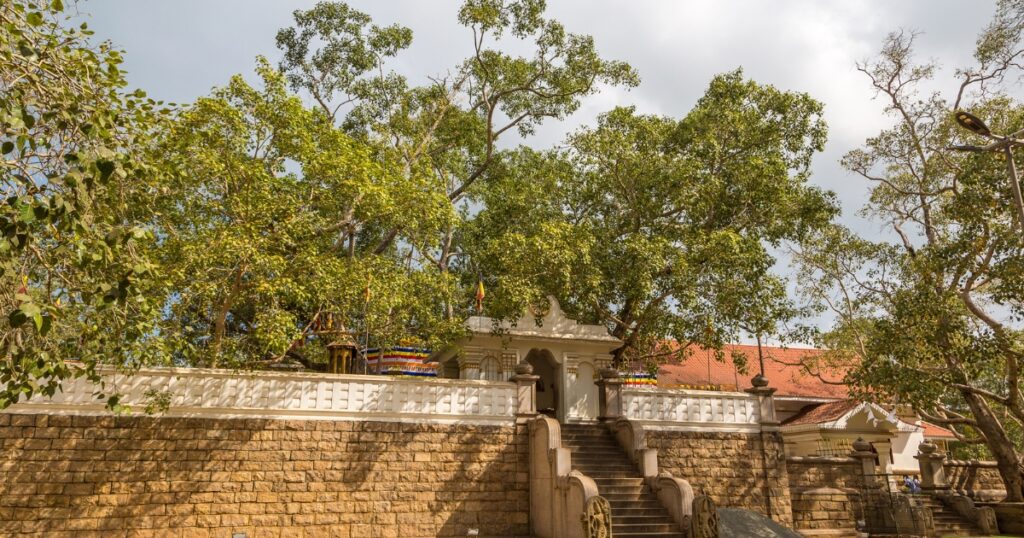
220,322
1002,448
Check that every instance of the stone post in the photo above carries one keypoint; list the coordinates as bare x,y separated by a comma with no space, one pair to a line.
778,505
765,401
526,390
862,452
609,392
933,474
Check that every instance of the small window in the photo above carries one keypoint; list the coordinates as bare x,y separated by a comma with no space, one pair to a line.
489,369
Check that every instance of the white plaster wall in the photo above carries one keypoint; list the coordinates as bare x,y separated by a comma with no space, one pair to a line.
904,448
584,393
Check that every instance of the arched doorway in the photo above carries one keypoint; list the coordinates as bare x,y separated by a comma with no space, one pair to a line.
549,385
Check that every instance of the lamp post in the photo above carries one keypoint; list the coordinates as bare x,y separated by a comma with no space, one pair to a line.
1003,143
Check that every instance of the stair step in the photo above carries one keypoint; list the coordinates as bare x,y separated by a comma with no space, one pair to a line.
618,481
629,528
623,490
641,519
674,534
637,502
636,511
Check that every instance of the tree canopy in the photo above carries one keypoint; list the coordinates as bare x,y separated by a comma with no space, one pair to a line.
930,316
656,227
333,193
75,267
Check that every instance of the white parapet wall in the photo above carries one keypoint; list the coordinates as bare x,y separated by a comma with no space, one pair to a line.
210,393
692,410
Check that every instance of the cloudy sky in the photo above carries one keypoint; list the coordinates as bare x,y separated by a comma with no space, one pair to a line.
179,50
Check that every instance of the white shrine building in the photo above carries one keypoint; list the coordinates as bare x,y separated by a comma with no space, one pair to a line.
565,354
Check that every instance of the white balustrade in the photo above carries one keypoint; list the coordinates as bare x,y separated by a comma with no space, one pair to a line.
692,410
225,393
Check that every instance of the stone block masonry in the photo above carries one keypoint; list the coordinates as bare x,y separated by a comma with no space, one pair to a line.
64,476
730,467
825,493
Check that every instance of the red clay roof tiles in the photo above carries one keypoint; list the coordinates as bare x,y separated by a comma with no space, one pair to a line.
782,368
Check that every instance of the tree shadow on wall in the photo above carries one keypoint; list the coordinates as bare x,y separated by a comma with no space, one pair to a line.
450,479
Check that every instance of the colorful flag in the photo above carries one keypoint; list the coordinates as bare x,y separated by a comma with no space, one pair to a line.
480,297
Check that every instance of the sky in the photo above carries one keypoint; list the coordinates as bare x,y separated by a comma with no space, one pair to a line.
179,50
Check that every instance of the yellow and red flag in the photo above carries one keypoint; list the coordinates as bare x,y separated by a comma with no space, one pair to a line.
480,297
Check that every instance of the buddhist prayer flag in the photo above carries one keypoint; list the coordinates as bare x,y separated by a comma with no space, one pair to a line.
407,361
480,297
639,379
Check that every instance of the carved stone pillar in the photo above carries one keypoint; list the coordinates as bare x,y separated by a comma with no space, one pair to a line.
933,474
526,390
609,395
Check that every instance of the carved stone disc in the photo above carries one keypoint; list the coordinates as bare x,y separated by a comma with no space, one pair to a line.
704,522
597,518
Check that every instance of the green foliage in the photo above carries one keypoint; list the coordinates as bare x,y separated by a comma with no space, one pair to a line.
73,254
931,317
657,227
256,223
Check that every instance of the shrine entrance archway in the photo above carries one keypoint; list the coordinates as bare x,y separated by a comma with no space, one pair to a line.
549,386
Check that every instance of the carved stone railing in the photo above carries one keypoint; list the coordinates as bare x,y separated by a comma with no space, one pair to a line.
675,494
983,517
559,496
979,480
693,410
230,394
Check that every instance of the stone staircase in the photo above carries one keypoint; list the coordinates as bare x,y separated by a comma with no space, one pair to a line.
636,510
948,522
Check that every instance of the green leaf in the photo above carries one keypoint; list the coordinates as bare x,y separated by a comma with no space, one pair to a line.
47,324
35,18
7,147
17,318
106,168
26,214
30,309
57,5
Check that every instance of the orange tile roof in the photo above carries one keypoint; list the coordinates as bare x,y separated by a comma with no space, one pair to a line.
782,368
821,413
931,431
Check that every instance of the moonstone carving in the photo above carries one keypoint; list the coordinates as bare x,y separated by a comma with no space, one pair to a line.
597,518
704,522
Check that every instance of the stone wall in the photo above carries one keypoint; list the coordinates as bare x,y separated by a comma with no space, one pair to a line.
825,493
62,475
977,479
730,467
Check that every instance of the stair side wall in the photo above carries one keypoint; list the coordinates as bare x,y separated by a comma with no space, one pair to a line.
738,470
91,476
825,492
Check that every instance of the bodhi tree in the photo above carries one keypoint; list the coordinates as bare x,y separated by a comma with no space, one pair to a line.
253,233
280,216
75,273
929,316
659,228
448,130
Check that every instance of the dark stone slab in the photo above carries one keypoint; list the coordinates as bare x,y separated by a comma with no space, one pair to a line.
739,523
